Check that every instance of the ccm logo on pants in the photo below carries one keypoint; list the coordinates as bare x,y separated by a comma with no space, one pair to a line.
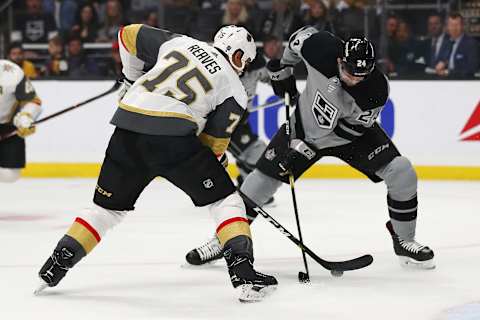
378,150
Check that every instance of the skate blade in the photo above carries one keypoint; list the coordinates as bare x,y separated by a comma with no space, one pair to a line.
42,286
249,293
206,265
410,263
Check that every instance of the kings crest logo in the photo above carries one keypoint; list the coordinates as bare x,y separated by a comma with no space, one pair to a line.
323,112
270,154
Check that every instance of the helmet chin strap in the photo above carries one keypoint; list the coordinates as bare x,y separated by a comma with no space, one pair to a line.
238,69
346,78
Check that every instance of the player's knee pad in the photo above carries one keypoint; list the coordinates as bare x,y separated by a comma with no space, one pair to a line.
259,187
9,175
401,179
230,219
90,226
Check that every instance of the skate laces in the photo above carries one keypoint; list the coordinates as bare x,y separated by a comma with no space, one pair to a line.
412,246
210,249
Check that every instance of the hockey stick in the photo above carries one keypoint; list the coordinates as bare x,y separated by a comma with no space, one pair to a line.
303,277
266,105
56,114
336,267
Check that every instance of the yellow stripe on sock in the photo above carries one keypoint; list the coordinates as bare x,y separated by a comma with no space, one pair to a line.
83,236
232,230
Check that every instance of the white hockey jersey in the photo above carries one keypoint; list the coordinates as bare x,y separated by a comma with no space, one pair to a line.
16,92
182,86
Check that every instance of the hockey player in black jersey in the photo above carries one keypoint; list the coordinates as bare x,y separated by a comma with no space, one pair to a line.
336,116
175,121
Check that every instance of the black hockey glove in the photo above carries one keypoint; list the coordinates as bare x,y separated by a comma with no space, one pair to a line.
282,79
297,150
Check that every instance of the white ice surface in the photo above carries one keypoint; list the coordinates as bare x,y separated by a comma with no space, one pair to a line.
136,273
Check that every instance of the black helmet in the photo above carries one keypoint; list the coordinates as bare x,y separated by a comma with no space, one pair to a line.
358,56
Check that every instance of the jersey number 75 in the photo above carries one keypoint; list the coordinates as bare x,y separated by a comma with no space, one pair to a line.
182,81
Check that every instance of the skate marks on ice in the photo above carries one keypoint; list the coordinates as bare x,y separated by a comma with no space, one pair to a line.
22,217
469,311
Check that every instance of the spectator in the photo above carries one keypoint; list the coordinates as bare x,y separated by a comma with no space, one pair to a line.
152,19
140,9
282,21
86,27
385,44
461,56
114,19
317,16
79,64
256,15
179,16
34,26
272,48
391,27
64,13
16,55
56,63
404,51
236,13
436,41
116,68
349,19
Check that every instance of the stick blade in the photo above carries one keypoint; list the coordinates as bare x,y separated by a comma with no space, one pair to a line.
349,265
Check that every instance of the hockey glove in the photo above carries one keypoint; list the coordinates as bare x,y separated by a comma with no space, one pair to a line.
24,123
297,149
125,85
282,79
223,159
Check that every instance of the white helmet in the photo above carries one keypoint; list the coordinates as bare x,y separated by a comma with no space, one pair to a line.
229,39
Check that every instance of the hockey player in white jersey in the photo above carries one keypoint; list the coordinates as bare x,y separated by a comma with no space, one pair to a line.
19,108
175,121
335,116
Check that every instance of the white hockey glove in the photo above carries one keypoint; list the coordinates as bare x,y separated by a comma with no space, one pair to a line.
125,85
23,121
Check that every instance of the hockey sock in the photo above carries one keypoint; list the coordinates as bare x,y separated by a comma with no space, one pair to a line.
403,215
84,234
231,228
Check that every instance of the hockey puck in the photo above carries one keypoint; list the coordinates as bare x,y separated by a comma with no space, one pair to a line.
303,277
336,273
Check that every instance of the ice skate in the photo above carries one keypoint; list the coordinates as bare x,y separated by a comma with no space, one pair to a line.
54,269
210,252
410,253
253,286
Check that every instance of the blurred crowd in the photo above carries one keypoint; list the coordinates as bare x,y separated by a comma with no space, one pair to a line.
428,42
